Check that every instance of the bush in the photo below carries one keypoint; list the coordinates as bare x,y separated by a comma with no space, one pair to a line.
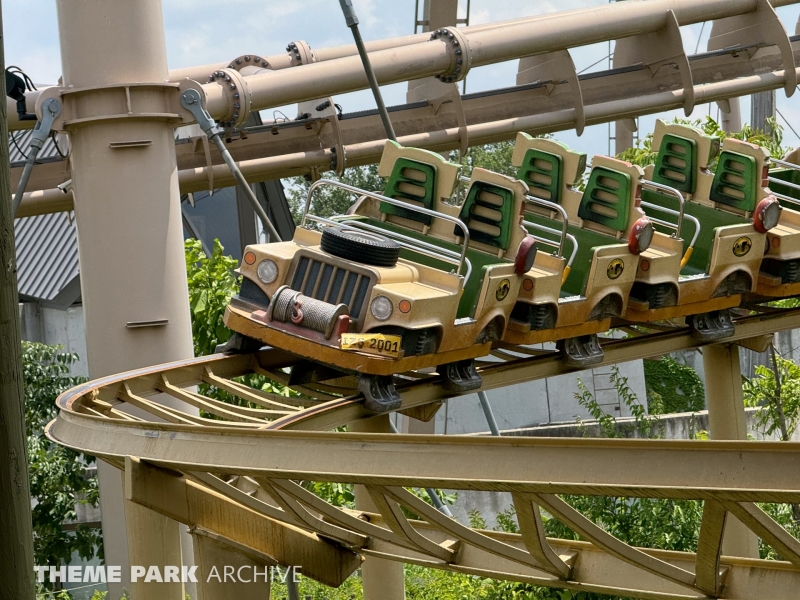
57,474
672,387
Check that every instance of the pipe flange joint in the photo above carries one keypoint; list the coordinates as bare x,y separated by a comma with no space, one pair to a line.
300,53
460,55
236,90
248,60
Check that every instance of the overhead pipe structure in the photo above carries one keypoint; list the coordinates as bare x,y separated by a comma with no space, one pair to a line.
197,179
121,117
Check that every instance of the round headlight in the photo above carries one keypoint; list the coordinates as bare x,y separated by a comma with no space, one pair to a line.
767,214
267,271
381,308
641,236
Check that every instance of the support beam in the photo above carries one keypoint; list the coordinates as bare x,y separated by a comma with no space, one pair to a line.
131,234
16,539
382,579
726,421
212,554
762,107
172,495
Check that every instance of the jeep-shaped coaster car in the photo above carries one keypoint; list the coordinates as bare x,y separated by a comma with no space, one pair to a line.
501,252
726,215
365,298
607,235
780,269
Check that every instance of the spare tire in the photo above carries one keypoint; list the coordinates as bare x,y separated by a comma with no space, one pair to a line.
360,246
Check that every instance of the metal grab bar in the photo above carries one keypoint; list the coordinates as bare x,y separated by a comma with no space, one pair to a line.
555,208
671,211
688,254
788,184
674,192
405,241
784,163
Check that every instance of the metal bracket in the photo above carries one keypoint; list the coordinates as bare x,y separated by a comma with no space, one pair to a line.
659,49
454,96
552,68
191,100
51,109
760,27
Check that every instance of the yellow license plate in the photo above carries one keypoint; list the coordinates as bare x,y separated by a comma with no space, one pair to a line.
372,343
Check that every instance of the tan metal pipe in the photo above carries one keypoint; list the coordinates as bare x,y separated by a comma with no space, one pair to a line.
484,133
193,180
488,45
283,60
42,202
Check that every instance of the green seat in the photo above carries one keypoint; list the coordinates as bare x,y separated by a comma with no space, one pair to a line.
487,213
607,199
588,240
736,181
542,171
710,219
676,163
480,262
790,176
411,181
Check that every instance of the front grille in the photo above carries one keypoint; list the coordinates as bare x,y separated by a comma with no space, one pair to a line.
332,284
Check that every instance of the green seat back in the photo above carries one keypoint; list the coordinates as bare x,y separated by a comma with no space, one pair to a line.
487,213
736,181
543,171
411,181
676,163
607,199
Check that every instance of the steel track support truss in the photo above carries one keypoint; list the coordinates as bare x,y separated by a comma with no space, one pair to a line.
249,462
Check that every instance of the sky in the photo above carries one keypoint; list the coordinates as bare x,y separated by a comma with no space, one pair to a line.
206,31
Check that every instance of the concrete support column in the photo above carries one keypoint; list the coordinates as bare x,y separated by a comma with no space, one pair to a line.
726,421
383,579
762,107
731,121
130,233
438,13
251,577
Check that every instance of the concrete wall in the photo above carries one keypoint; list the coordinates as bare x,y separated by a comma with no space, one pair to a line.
57,328
533,403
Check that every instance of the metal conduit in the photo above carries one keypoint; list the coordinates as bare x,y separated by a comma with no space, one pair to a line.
486,46
42,202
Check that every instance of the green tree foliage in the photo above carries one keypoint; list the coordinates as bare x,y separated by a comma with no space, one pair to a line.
494,157
776,404
212,283
644,154
58,476
329,201
672,387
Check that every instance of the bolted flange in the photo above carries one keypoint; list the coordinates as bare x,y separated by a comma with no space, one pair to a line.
248,60
460,55
238,97
300,53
